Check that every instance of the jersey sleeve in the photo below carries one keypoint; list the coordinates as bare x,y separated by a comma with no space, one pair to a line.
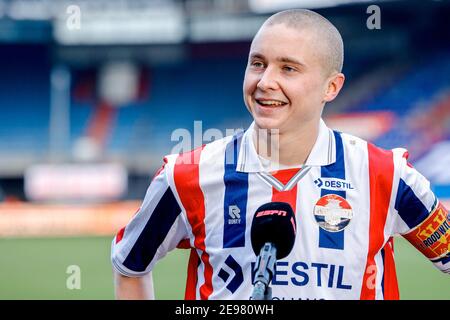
422,218
157,228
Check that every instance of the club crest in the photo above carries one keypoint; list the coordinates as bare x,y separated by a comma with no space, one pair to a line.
333,213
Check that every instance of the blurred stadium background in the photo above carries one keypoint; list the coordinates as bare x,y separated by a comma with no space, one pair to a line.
91,92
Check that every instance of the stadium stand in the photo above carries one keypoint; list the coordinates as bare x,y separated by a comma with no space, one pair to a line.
412,87
177,95
26,106
417,100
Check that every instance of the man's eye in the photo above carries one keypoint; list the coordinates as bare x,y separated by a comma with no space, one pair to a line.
289,69
257,64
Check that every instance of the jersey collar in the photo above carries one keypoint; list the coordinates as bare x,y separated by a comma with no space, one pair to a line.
323,152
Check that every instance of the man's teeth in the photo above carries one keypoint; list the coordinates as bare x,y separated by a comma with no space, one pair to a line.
271,103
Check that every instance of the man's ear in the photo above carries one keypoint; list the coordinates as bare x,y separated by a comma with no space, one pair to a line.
335,83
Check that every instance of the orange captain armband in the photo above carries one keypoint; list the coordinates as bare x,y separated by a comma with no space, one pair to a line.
432,236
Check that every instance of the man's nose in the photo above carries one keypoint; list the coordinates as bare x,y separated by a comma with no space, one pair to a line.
268,80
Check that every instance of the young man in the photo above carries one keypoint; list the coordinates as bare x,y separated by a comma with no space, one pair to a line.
349,197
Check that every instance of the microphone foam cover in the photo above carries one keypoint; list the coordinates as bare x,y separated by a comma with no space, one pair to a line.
274,222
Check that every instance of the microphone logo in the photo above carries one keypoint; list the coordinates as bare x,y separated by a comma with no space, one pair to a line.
273,235
271,212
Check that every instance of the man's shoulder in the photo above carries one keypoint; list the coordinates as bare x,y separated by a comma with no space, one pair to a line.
381,161
359,144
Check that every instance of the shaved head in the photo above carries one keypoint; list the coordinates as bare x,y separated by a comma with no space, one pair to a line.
327,38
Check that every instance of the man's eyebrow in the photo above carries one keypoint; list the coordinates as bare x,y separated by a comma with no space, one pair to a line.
257,55
291,60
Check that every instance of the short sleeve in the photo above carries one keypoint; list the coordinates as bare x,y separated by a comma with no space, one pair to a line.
156,229
422,218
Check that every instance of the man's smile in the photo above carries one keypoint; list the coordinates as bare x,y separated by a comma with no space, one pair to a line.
270,103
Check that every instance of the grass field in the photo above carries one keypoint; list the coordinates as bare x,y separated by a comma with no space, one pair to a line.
36,269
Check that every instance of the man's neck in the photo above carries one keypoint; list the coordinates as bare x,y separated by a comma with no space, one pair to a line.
287,148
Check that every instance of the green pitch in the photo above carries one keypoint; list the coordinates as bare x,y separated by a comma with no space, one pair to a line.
36,269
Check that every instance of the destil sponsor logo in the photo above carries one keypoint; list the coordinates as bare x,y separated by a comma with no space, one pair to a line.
333,184
315,274
238,277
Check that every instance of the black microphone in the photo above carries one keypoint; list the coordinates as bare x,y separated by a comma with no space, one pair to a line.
273,235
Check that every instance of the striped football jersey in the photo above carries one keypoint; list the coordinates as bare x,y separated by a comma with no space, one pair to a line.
350,199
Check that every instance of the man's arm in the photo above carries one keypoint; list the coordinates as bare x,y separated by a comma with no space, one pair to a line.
133,288
155,229
425,222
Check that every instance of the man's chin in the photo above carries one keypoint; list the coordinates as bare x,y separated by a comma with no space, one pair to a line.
267,124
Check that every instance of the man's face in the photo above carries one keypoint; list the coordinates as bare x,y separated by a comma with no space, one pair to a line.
285,82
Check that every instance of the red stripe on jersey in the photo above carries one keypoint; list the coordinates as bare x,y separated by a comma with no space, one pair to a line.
390,276
184,244
284,176
381,173
186,177
191,281
119,235
289,196
406,156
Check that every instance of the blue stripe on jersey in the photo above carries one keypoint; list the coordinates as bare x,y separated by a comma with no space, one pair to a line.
409,206
337,169
154,233
327,239
235,201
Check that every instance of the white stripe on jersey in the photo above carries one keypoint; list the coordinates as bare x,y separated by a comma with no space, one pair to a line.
357,240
